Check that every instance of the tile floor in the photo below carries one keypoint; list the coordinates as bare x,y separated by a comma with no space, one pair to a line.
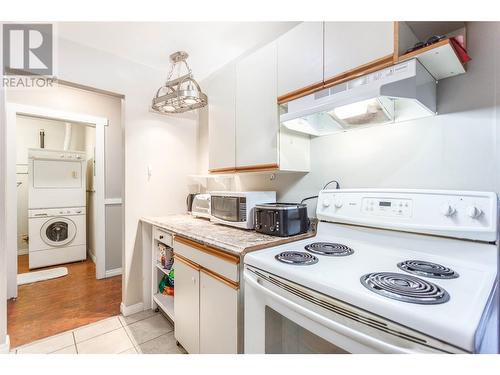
146,332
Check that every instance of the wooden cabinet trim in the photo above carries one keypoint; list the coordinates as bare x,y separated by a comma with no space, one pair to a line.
208,249
396,42
223,170
186,261
300,93
258,167
221,278
247,168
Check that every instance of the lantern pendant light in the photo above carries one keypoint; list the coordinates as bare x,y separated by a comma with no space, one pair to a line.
179,94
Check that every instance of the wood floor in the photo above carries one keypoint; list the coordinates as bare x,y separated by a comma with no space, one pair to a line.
48,307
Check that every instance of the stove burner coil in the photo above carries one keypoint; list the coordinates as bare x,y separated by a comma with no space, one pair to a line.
405,288
330,249
427,269
297,258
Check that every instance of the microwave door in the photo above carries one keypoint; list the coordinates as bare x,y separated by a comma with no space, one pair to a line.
225,208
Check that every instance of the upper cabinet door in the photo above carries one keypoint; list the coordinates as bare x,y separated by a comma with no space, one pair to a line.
349,45
221,90
300,57
257,109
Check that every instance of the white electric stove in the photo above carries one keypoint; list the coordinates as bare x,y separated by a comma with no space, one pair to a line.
389,271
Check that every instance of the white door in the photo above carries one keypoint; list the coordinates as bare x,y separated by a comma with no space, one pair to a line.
187,306
349,45
221,90
300,57
218,316
256,108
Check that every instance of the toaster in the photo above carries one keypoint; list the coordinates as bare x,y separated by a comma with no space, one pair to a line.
281,219
201,206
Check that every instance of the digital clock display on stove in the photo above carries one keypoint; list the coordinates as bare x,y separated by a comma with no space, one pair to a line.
384,204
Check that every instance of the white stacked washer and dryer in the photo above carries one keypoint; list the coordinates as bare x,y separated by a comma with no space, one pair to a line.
56,207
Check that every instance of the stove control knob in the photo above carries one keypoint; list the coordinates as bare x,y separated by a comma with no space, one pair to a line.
338,203
448,210
474,212
326,202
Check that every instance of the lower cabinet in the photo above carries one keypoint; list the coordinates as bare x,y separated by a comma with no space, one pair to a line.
206,299
218,316
187,305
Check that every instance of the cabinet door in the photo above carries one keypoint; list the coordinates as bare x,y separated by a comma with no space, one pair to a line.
257,109
218,316
221,91
187,306
351,44
300,57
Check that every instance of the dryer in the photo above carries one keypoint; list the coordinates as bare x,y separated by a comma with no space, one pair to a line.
57,235
56,178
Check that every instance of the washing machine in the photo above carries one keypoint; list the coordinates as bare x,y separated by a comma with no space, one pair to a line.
56,236
56,178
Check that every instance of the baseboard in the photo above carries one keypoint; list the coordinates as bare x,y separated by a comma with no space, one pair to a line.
22,251
113,272
92,256
132,309
5,347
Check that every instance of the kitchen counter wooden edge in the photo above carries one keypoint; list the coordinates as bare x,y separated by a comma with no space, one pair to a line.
171,224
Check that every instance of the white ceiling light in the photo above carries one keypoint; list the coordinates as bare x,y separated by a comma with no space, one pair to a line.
179,94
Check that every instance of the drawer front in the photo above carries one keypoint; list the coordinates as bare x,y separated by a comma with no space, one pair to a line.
162,236
215,260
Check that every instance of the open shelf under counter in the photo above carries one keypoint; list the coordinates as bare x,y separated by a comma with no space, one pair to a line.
166,303
160,267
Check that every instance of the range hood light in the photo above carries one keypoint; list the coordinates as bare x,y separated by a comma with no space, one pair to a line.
375,111
356,109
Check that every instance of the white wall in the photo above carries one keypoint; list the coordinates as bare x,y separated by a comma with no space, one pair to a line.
27,136
458,149
166,143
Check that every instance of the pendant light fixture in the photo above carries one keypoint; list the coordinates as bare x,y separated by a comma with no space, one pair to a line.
179,94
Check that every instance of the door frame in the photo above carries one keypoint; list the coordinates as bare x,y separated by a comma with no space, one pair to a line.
12,111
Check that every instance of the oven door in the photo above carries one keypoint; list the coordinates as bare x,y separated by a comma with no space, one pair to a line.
279,320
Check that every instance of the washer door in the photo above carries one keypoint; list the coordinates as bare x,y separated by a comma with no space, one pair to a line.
58,231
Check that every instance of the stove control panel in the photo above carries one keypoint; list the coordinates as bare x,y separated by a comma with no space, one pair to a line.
387,207
459,214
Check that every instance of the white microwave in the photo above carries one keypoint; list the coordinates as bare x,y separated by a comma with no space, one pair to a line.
236,208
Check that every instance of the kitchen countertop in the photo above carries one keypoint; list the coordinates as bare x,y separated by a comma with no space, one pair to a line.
232,240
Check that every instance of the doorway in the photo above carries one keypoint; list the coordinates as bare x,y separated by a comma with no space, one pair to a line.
85,294
27,117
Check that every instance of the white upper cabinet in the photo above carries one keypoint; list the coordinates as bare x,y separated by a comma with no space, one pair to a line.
256,108
221,90
349,45
300,57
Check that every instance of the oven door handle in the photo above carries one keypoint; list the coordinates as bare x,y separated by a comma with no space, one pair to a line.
332,325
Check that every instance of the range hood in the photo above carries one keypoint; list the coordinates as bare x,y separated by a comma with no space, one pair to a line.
405,91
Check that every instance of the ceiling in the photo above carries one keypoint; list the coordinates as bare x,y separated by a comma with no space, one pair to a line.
209,44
